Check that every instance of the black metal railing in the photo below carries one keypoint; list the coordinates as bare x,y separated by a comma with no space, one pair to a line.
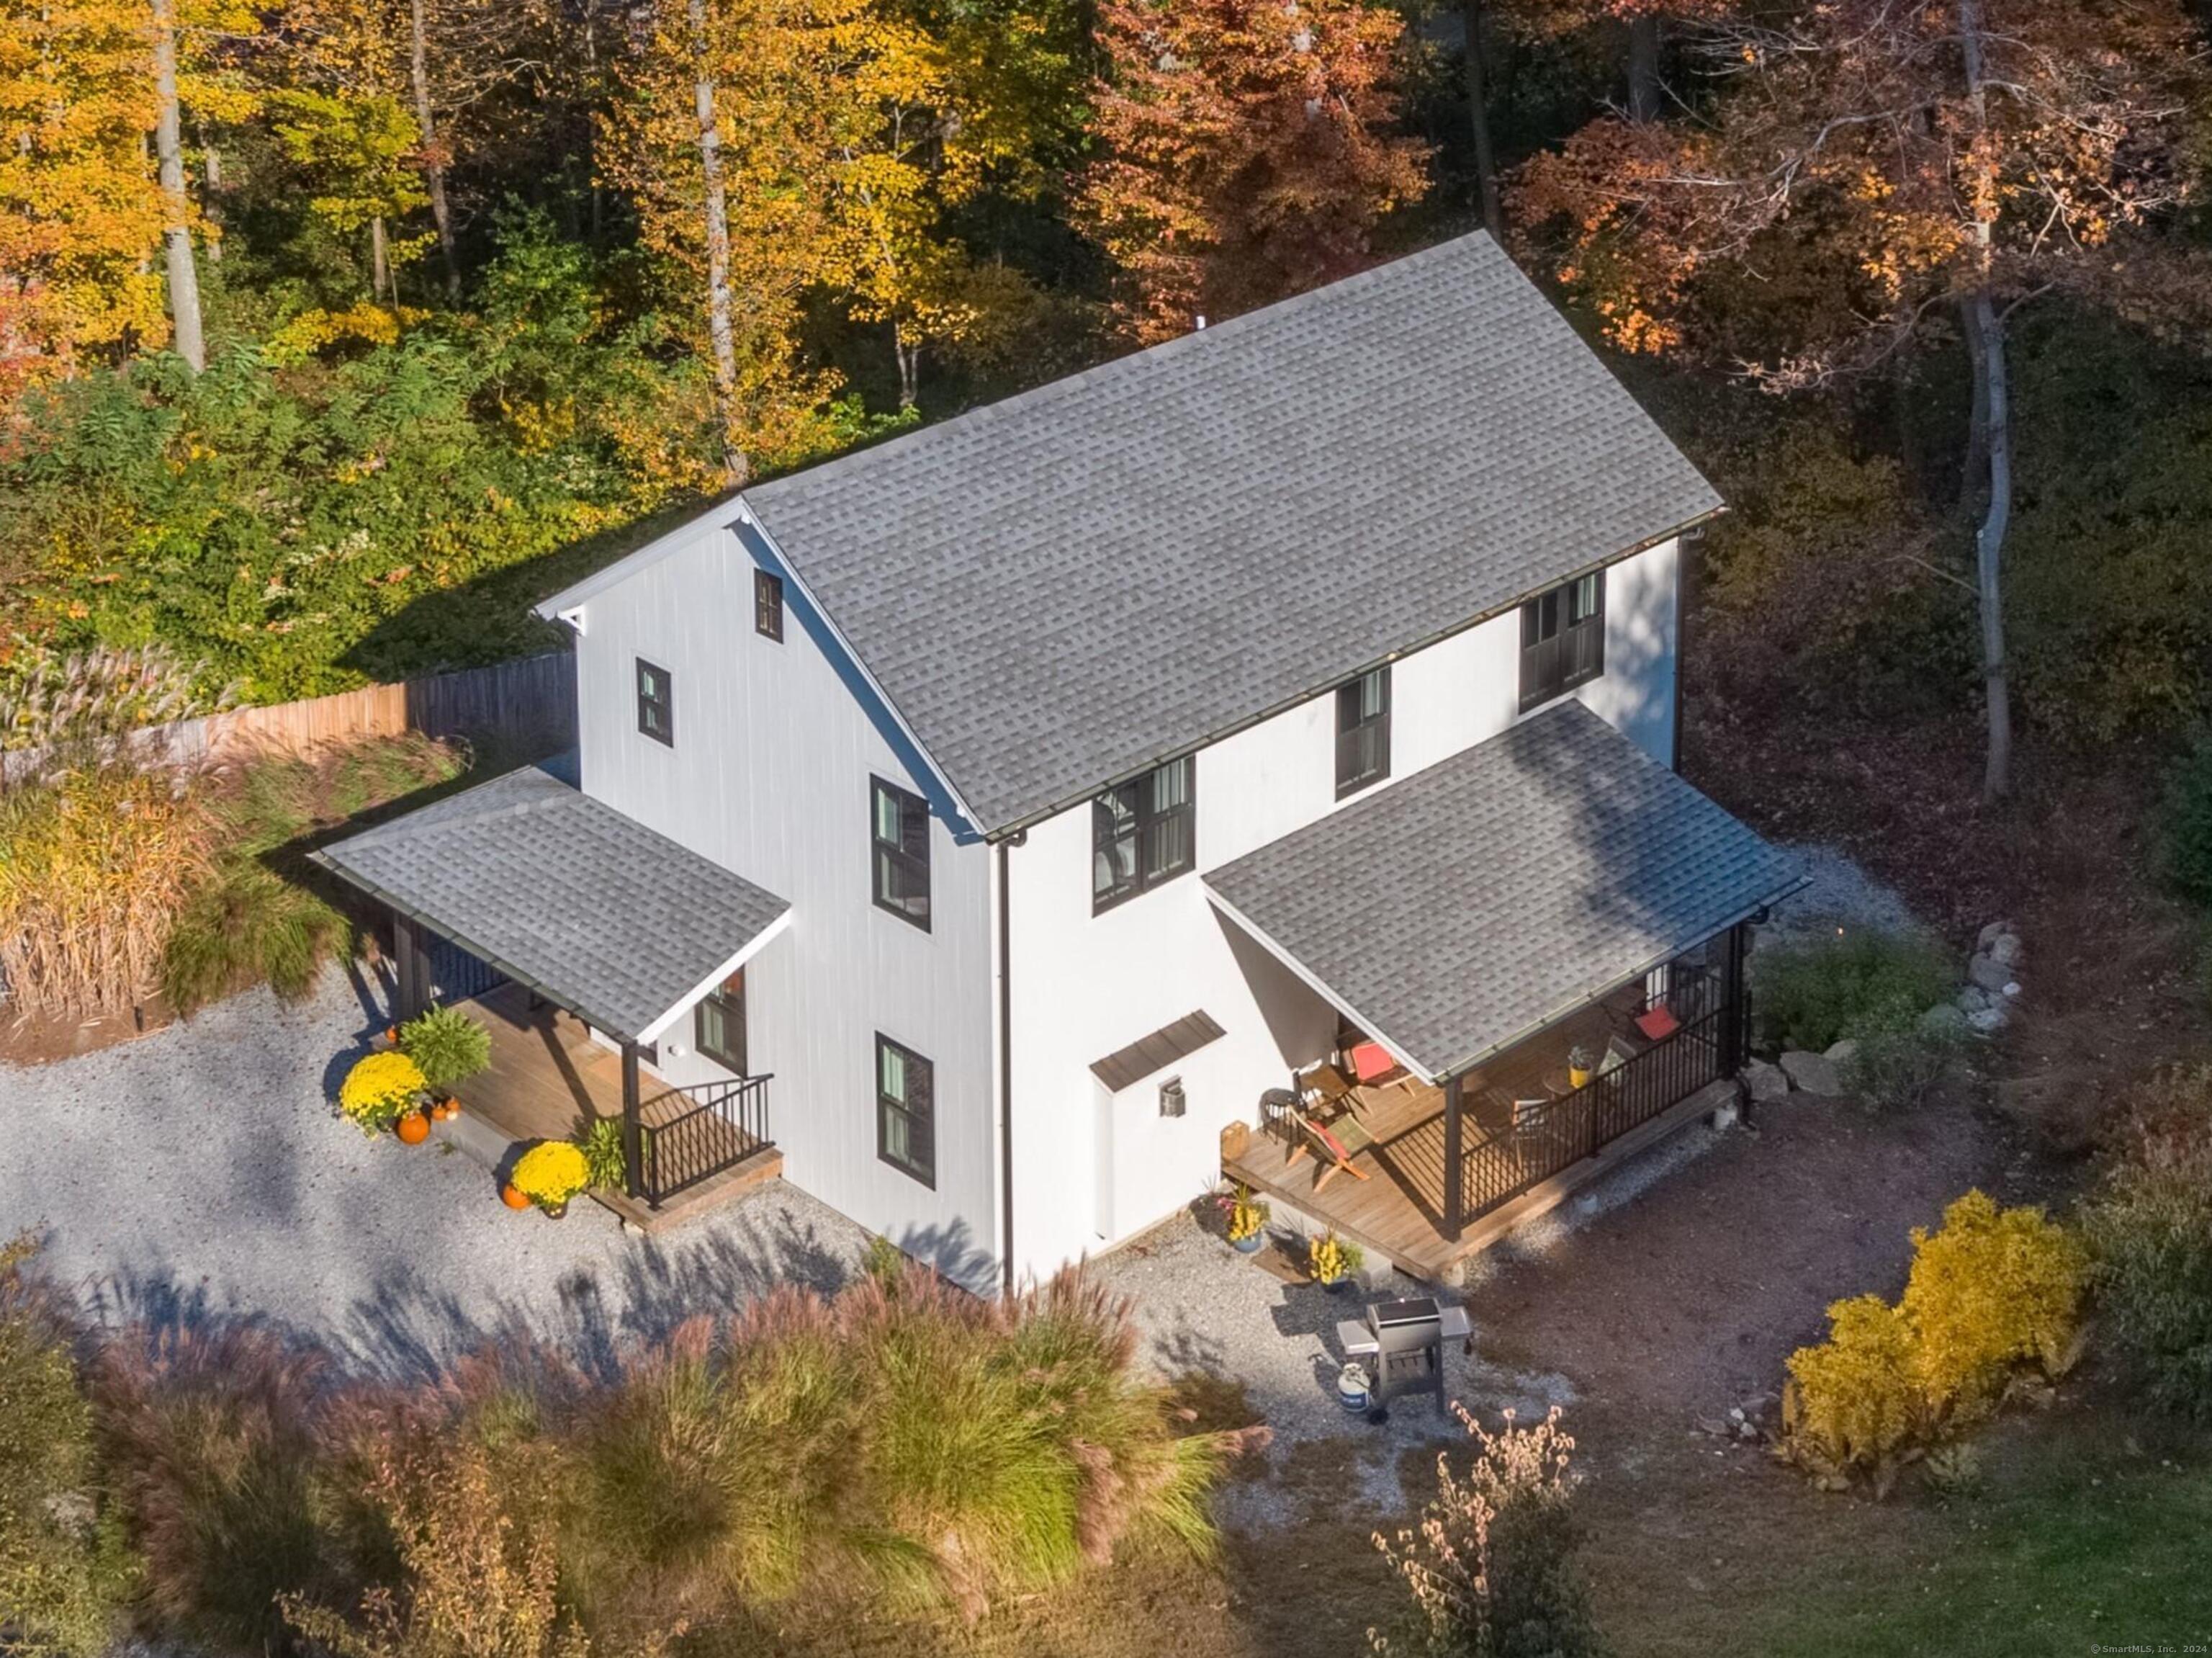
701,1132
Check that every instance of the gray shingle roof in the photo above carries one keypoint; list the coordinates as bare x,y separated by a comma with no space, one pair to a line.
1475,902
606,918
1059,588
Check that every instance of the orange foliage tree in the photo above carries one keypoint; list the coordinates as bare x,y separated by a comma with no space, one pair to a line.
1246,152
1896,166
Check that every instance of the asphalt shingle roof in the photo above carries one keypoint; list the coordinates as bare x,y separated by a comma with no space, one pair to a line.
593,910
1472,902
1060,588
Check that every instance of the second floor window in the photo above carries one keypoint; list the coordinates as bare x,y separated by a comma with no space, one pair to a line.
1142,833
901,829
656,703
1562,639
768,604
1363,732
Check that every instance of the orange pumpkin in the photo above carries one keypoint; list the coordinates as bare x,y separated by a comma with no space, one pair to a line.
512,1197
413,1129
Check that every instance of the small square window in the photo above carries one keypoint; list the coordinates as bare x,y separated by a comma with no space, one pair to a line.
768,604
656,704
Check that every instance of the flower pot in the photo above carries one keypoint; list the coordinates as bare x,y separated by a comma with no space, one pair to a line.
1576,1078
412,1129
512,1197
1246,1246
1335,1286
555,1211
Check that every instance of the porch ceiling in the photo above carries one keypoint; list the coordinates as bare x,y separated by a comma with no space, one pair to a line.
1466,906
589,908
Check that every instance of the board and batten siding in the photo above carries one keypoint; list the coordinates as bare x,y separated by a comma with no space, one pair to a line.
1092,1167
768,776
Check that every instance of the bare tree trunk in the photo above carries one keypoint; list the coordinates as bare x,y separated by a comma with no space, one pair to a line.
1974,473
1478,112
176,209
720,334
908,350
211,180
591,125
379,263
1996,400
1644,89
434,168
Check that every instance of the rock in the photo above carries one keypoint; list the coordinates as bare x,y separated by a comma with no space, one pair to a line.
1745,1430
1842,1053
632,1229
2007,948
1713,1427
1728,1113
1973,999
1992,933
1765,1082
1943,1017
1988,1020
1814,1073
1735,1413
1990,973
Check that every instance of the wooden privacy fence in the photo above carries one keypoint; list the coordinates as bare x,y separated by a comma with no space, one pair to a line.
530,703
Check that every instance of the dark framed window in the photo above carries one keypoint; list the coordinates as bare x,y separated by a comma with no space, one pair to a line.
899,823
656,703
1144,832
718,1025
768,606
1363,732
1562,639
906,1111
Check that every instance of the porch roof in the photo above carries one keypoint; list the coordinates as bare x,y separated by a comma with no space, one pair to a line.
1456,911
589,908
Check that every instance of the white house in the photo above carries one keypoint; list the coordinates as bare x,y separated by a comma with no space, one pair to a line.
1028,797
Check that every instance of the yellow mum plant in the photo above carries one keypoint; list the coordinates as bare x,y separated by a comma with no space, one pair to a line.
379,1090
551,1172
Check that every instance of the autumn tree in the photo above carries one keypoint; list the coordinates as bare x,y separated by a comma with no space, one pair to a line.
1246,152
1917,165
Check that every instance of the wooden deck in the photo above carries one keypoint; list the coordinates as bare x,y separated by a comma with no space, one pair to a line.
1398,1211
548,1078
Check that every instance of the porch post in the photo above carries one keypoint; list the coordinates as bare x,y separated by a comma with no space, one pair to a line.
410,989
633,1125
1454,1198
1737,1027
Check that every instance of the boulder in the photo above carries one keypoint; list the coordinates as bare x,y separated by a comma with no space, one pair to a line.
1764,1082
1813,1073
2006,949
1942,1018
1988,1021
1992,933
1840,1053
1972,999
1991,974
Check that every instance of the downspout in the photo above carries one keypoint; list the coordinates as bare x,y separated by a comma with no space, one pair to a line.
1691,540
1006,1059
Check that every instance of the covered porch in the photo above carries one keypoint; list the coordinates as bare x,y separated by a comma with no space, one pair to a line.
578,937
1546,933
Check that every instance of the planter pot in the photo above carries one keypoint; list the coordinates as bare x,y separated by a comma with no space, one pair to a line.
1247,1246
555,1211
1576,1078
1335,1286
412,1129
514,1198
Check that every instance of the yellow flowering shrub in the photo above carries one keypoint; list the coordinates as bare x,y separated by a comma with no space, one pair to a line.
551,1172
1992,1289
1855,1402
379,1090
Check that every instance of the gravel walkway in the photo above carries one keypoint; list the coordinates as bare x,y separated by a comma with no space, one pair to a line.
200,1171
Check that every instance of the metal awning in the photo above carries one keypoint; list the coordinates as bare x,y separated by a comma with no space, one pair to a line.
1456,911
590,909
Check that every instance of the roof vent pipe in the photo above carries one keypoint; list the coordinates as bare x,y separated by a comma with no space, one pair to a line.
1201,320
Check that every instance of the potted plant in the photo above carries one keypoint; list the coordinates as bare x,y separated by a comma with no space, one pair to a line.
607,1165
1580,1064
1330,1260
549,1173
380,1091
1246,1218
448,1047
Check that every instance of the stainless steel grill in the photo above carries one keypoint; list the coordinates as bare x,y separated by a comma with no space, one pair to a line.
1402,1343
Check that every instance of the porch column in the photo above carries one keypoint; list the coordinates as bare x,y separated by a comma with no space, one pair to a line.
1455,1198
410,966
1735,1023
633,1125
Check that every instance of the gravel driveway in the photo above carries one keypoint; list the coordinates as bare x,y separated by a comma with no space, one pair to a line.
200,1171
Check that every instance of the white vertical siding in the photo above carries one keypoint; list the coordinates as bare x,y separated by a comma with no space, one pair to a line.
1087,986
769,776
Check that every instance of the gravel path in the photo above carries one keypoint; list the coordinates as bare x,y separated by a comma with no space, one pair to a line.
200,1171
1840,892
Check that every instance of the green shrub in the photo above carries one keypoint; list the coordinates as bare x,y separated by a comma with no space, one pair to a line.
1859,982
2188,826
1899,1069
2149,1230
211,1443
449,1047
606,1162
1491,1568
64,1572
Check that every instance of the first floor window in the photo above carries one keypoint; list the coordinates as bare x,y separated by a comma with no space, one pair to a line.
1562,639
902,851
718,1027
1363,732
1143,833
906,1114
656,703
